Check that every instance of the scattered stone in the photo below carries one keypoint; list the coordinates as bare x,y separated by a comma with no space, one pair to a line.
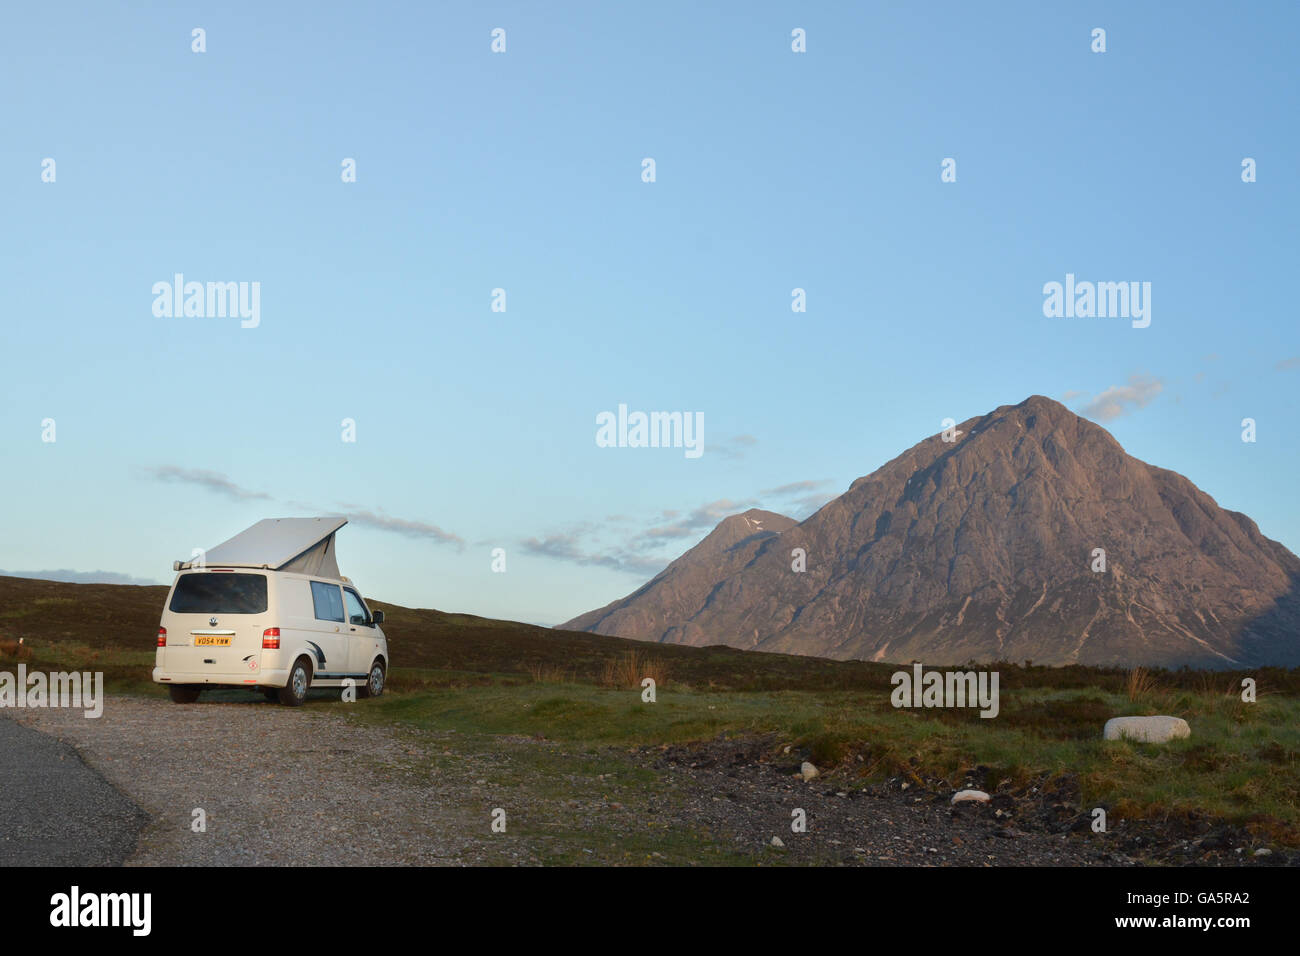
808,771
1262,851
970,796
777,842
1150,730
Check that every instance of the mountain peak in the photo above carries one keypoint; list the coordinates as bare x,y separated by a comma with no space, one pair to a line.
756,519
1031,534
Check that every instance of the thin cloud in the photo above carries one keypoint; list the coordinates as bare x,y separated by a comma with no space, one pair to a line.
795,487
799,499
411,529
566,547
211,480
80,577
736,446
635,553
221,484
1120,400
705,516
1288,363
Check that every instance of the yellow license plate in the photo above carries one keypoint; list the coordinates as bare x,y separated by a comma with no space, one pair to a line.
209,641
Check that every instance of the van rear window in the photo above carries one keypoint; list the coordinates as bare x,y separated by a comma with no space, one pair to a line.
216,592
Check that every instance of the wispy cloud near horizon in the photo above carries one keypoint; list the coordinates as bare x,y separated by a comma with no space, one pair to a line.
68,576
377,519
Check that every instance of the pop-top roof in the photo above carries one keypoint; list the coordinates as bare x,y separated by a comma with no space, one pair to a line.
304,545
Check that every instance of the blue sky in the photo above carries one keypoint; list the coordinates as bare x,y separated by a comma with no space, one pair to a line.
522,170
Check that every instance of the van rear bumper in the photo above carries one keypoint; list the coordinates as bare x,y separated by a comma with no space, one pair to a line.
266,678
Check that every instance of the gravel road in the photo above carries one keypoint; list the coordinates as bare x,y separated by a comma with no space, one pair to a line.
276,785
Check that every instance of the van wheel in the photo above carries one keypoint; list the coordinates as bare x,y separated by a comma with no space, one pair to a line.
374,685
183,693
294,693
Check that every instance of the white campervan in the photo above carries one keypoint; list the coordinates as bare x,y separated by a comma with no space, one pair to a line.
268,610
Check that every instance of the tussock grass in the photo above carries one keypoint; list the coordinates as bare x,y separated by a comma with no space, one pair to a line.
632,668
550,674
1140,685
14,651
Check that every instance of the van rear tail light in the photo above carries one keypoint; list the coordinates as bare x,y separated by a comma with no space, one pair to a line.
271,639
162,637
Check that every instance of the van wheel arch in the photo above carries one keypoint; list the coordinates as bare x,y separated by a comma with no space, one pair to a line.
365,689
294,691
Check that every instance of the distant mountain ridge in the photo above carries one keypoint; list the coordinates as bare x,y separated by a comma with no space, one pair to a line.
982,549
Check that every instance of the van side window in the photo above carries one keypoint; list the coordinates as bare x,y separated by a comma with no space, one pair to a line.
327,601
357,613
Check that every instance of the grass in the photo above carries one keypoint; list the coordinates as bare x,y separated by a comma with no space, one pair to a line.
493,680
1242,763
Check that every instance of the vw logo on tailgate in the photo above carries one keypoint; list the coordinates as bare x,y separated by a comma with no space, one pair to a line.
212,622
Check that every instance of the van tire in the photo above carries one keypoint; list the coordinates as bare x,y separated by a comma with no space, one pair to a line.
183,693
294,692
374,685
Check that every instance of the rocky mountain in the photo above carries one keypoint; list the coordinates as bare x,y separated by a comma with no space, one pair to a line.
984,548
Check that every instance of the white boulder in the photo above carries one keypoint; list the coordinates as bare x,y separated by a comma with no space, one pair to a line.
1149,730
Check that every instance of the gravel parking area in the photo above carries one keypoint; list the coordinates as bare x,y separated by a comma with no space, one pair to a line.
276,785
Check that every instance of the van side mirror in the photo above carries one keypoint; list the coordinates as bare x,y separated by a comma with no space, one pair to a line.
378,616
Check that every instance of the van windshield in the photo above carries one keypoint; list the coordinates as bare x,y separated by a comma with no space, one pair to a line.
216,592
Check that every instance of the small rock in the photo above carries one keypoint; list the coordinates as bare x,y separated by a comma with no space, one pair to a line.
1262,851
970,796
1150,730
808,771
777,842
